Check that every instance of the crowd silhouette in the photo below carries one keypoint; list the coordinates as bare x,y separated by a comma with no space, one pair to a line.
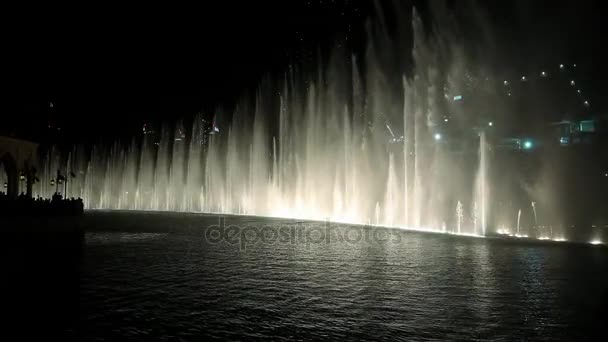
25,205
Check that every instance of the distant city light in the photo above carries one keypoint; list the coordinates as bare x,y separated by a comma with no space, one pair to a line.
578,91
586,103
506,83
527,144
561,66
543,74
437,136
572,83
575,65
524,79
490,123
445,120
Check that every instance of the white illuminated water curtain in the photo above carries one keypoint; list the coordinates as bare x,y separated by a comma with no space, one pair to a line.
337,145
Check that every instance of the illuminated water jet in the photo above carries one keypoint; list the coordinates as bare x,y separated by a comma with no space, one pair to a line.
518,219
359,141
535,216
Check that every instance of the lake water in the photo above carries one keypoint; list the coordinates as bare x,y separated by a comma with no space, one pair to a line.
154,276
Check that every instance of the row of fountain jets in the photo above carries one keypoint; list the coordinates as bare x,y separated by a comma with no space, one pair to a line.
313,148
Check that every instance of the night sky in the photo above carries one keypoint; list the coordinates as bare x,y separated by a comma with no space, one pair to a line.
107,69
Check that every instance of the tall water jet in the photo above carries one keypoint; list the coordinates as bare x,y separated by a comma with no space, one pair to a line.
535,216
481,196
459,217
318,145
406,153
518,220
475,217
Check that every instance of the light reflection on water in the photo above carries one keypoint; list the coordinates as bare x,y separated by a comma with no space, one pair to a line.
418,287
101,238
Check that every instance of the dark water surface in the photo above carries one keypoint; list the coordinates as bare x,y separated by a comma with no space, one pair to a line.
168,277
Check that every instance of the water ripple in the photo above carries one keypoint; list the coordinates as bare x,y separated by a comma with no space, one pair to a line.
172,285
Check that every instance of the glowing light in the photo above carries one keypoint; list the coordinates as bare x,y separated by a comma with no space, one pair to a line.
241,173
596,242
572,83
503,231
506,83
561,66
578,91
524,79
490,124
543,74
445,120
527,144
586,103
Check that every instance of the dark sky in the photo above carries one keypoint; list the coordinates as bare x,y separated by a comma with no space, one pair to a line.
109,68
